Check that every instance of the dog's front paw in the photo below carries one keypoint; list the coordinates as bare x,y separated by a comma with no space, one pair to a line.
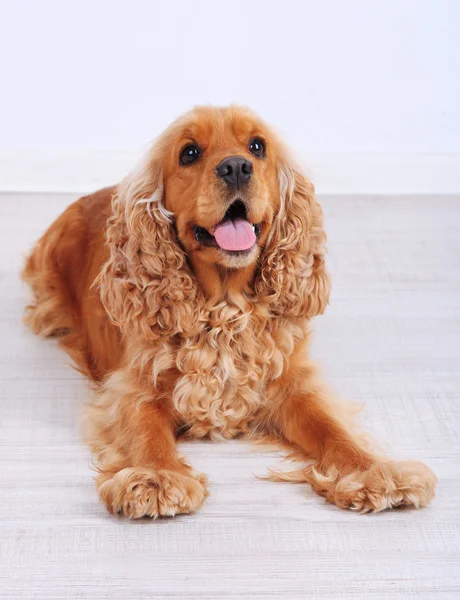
384,485
137,492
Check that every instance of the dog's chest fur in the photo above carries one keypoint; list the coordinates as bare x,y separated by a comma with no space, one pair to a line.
224,370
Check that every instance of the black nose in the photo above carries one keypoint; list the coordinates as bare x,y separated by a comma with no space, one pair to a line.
235,170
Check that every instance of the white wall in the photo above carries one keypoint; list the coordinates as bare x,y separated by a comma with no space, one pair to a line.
334,76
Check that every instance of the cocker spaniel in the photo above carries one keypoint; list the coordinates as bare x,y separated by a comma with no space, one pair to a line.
186,293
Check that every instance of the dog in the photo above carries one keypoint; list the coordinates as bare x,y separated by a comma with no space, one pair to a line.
186,293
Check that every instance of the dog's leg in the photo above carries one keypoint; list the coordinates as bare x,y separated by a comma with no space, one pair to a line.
346,471
133,435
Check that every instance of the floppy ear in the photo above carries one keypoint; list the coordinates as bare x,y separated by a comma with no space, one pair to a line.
146,285
292,277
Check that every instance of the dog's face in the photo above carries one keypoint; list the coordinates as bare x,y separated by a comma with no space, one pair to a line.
220,181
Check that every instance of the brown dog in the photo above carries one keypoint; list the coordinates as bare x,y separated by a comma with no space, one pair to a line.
186,292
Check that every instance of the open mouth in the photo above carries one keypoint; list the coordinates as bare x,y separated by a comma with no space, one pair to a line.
233,234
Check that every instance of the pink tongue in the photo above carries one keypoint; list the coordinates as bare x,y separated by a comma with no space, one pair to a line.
235,234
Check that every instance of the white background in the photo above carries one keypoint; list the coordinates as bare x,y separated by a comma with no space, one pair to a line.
335,77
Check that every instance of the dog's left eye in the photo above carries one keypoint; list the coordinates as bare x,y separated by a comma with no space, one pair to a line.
257,147
189,154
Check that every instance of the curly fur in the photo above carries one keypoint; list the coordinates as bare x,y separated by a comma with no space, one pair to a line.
186,341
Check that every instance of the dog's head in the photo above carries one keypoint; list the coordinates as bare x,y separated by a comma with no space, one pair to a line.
220,176
216,191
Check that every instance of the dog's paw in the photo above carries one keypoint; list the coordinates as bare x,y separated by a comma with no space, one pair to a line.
384,485
137,492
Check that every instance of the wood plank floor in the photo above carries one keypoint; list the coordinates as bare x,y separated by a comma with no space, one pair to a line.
391,338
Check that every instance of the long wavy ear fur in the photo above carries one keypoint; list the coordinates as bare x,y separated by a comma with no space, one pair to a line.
146,285
292,276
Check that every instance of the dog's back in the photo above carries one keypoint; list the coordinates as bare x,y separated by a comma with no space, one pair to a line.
61,270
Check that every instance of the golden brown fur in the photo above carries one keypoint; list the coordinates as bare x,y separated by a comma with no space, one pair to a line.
181,337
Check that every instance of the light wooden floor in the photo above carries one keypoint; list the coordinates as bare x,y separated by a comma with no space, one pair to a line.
391,337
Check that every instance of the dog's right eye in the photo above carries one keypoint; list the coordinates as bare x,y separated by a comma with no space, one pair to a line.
189,154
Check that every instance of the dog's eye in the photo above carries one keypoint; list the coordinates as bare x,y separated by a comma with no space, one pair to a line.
189,154
257,147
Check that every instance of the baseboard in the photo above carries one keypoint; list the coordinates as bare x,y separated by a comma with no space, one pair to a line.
70,172
384,173
332,173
